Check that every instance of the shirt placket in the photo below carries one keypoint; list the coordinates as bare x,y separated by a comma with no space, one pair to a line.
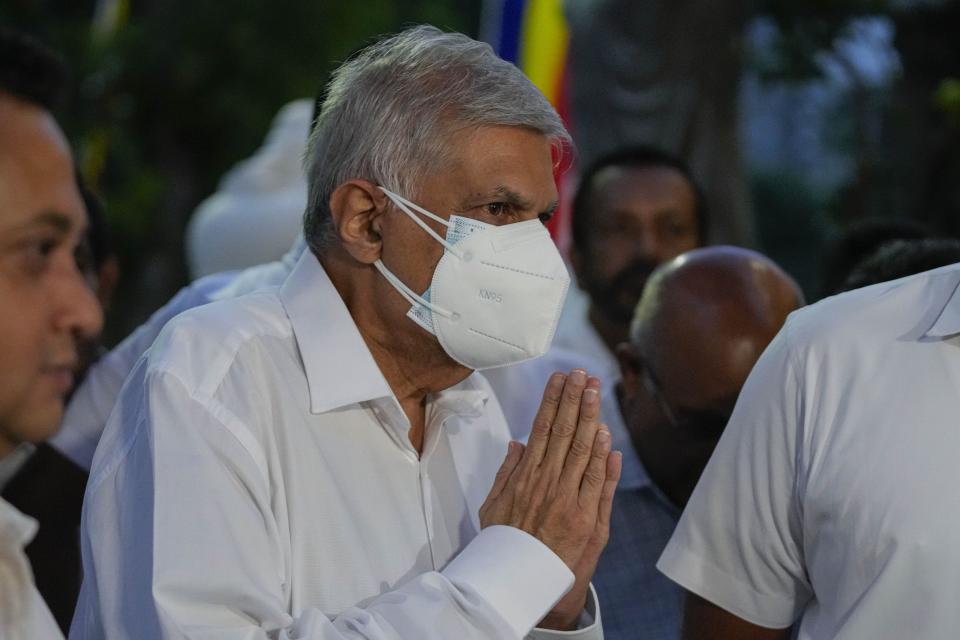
433,428
395,422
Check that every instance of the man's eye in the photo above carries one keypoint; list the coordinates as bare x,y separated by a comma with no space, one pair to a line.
36,255
497,208
675,229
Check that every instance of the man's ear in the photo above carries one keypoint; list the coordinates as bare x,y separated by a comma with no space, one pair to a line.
356,207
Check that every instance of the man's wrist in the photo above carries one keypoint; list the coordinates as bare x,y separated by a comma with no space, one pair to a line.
561,621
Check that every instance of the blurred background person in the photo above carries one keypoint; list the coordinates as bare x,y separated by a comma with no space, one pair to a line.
859,241
634,209
37,479
47,304
47,482
257,211
704,319
901,258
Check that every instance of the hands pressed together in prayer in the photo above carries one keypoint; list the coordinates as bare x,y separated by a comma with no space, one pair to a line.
560,486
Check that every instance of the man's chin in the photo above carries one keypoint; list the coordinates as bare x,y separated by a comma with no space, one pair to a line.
36,424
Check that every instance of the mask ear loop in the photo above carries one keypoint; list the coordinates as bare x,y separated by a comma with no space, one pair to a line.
405,205
409,293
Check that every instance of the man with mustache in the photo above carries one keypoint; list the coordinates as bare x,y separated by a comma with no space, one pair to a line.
635,208
704,319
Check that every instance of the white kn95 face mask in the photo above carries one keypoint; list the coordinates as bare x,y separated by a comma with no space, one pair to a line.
496,293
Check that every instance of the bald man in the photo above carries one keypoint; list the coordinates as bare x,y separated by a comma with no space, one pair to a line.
703,321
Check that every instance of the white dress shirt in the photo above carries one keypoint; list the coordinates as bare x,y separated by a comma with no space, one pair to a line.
832,496
256,480
90,405
23,613
576,345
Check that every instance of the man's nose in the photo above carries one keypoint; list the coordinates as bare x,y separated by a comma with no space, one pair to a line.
79,311
650,246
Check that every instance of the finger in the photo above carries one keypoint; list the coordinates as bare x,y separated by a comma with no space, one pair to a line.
514,453
565,424
614,467
596,474
582,444
543,421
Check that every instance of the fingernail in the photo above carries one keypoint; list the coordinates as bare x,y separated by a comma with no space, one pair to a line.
578,376
556,381
603,435
511,447
590,396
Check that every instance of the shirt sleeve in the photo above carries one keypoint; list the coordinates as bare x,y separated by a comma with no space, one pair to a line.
180,542
739,541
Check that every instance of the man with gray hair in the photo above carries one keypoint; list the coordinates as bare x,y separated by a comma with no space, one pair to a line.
319,461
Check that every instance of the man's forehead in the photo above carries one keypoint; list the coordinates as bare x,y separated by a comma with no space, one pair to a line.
509,161
647,181
36,170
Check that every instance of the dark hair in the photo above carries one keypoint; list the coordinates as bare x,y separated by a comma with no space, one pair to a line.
901,258
29,71
98,232
860,240
636,157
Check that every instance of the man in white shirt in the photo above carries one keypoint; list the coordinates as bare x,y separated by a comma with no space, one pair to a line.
635,209
831,500
316,461
45,304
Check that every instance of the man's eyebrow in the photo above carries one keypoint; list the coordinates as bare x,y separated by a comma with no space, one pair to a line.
59,222
511,197
517,201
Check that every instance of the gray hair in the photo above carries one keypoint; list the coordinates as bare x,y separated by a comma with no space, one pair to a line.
389,110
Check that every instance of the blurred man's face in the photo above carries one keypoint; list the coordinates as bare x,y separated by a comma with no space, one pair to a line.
45,304
641,217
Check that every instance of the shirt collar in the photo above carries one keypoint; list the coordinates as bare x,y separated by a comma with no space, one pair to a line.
466,399
340,369
947,321
16,529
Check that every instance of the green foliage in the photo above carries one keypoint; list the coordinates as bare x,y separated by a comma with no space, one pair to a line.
947,99
792,225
